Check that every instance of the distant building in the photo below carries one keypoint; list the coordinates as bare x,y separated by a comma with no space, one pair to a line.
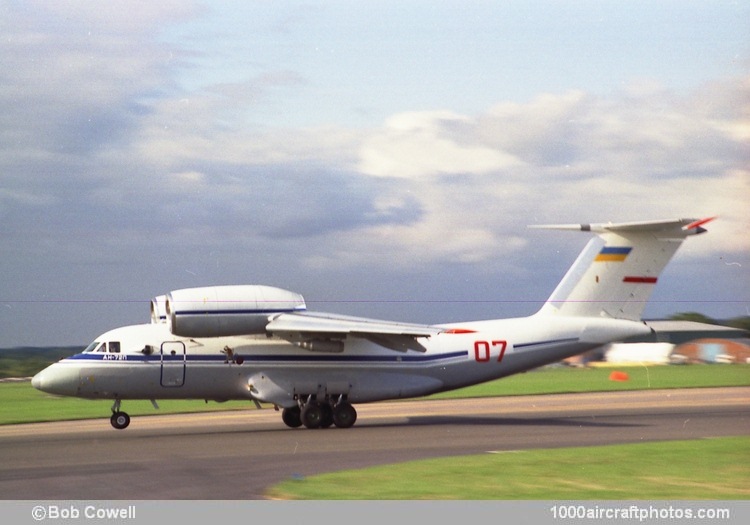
635,353
710,350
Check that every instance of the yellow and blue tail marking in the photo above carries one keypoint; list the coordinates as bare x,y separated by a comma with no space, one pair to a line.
613,254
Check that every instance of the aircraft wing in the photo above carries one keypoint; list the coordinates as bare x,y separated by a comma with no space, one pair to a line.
309,327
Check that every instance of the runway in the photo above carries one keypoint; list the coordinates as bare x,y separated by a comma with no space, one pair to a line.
237,455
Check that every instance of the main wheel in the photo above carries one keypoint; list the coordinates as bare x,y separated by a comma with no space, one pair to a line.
291,417
311,415
120,420
326,415
344,415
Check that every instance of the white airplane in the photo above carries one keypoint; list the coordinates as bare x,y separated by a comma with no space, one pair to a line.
259,343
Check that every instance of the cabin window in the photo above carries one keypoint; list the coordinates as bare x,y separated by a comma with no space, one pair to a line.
114,347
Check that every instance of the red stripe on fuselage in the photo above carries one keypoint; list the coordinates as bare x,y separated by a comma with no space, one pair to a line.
641,280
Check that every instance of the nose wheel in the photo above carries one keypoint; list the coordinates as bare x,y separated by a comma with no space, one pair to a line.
119,419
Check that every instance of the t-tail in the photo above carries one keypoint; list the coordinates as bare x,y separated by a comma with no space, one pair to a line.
615,274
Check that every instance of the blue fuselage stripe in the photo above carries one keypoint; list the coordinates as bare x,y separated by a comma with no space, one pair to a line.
196,358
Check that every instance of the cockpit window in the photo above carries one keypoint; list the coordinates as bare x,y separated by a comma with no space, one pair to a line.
102,348
91,347
114,347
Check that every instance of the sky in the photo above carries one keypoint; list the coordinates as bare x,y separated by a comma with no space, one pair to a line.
382,158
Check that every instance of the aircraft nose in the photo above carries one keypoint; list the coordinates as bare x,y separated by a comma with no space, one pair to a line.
56,380
38,380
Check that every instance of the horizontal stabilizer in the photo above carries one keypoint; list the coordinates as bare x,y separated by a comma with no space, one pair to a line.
684,226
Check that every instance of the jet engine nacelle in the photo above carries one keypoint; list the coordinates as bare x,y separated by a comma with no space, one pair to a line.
159,309
218,311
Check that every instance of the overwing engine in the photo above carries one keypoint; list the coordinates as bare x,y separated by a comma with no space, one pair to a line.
218,311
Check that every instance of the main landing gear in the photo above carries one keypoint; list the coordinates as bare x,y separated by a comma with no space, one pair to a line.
320,414
119,419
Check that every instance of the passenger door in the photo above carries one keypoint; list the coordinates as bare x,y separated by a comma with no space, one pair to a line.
173,362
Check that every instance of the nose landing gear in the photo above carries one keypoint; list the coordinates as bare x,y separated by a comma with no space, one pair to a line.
119,420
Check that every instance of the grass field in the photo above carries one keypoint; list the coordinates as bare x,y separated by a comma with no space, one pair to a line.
673,470
21,403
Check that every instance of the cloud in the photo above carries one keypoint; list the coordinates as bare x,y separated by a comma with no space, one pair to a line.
139,152
108,161
570,157
76,71
418,145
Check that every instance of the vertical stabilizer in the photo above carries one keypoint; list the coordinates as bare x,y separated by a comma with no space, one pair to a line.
616,272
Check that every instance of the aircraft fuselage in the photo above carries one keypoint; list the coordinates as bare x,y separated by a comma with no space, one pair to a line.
152,363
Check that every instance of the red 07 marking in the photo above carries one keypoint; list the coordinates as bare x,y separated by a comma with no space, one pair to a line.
482,350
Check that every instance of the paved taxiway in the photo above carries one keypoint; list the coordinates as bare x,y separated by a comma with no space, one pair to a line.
236,455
